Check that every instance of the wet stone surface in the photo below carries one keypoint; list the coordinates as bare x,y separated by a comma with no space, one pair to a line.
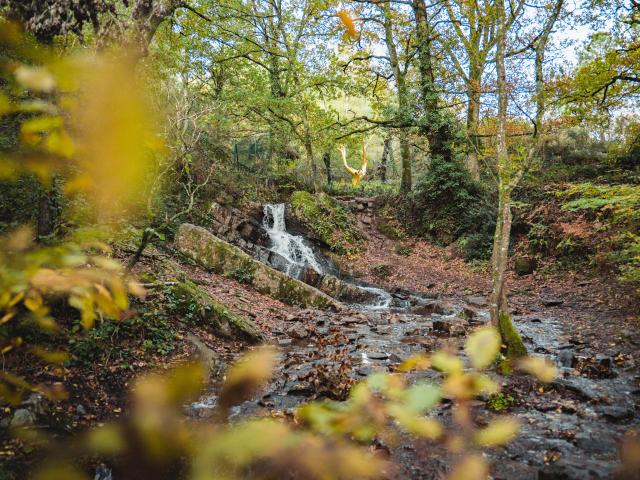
570,428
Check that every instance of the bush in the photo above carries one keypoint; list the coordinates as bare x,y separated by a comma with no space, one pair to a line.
327,221
381,270
449,205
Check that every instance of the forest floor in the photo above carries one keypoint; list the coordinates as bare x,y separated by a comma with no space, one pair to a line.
572,429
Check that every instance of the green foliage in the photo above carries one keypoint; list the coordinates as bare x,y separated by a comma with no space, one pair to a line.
381,270
500,402
388,223
450,205
366,188
618,208
328,221
243,274
538,237
476,246
404,250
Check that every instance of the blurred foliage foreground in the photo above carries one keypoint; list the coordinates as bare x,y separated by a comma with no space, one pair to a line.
77,122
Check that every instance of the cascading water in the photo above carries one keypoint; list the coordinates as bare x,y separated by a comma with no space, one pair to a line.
299,255
291,247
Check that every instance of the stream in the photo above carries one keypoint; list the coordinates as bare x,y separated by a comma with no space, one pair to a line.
571,431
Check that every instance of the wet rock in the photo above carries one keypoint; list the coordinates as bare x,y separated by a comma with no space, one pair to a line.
377,355
506,470
566,358
36,403
470,312
301,390
551,301
204,353
596,442
477,301
575,469
351,320
103,473
22,417
283,342
604,361
438,307
615,413
298,331
585,388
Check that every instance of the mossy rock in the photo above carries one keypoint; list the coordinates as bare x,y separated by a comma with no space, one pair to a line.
327,221
225,259
196,306
524,265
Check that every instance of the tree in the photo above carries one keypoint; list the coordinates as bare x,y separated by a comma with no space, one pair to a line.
608,73
132,23
474,26
511,167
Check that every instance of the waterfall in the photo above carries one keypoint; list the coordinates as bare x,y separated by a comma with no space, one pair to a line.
299,255
291,247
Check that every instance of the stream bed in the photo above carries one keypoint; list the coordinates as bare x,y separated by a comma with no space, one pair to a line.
570,429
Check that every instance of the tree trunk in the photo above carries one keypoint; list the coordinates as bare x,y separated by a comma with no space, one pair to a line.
403,100
308,148
326,158
499,307
405,156
434,125
49,209
473,117
384,160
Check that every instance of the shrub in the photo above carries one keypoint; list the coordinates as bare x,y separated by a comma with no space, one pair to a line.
404,250
450,205
381,270
328,221
618,208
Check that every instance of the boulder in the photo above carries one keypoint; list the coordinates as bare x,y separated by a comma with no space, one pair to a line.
343,291
22,418
438,307
223,258
524,265
205,354
196,305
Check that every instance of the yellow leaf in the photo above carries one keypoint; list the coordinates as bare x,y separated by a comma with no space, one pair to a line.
415,362
33,301
482,346
247,375
35,78
542,369
60,143
106,440
348,23
471,467
449,364
4,105
497,432
50,356
421,426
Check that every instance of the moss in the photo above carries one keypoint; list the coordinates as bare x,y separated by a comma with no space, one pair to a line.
381,270
225,259
196,306
328,221
510,337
